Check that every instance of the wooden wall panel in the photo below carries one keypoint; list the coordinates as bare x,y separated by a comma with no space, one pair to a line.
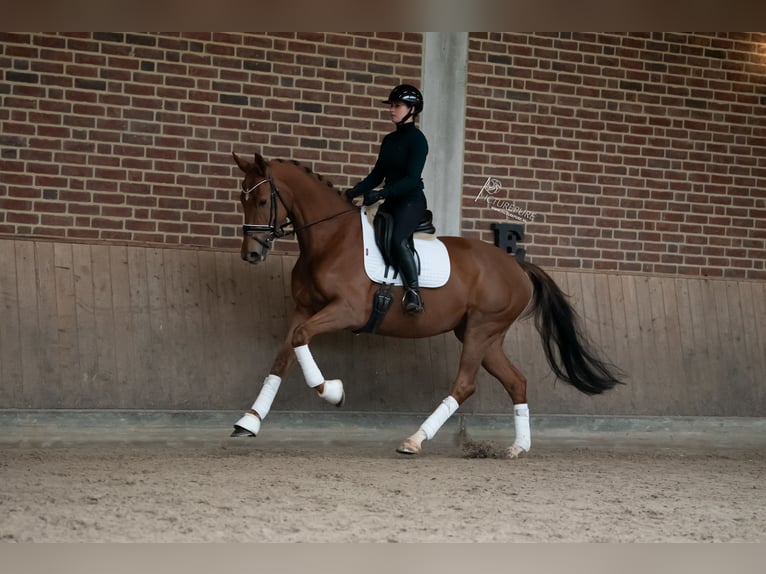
67,356
140,322
757,336
212,329
10,328
104,383
47,338
36,366
102,326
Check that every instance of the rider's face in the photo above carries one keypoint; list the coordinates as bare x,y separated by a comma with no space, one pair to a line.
398,110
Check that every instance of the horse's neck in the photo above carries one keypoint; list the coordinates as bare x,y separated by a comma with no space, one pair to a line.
314,209
310,200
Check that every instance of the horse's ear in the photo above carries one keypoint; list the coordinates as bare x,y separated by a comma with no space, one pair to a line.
240,162
260,163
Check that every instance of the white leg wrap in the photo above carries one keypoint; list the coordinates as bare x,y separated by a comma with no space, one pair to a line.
521,424
444,411
262,404
311,371
332,391
249,422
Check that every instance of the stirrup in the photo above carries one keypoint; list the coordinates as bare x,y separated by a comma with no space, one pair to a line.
413,303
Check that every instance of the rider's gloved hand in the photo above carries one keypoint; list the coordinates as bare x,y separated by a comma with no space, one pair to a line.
350,195
372,197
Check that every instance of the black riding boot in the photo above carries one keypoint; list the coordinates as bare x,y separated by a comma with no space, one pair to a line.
405,260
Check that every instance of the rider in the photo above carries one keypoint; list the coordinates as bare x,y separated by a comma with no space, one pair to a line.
399,167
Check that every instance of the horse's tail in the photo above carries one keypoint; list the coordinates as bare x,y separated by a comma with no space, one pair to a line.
573,359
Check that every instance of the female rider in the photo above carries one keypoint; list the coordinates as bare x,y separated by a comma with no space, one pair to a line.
399,167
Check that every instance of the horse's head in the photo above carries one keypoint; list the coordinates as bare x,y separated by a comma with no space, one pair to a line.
262,207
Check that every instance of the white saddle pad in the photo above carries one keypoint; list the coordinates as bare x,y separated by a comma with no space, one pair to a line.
434,259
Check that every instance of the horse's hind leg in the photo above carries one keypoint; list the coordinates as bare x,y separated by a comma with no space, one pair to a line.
499,366
464,386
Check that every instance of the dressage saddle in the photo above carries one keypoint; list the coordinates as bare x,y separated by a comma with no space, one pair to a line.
383,225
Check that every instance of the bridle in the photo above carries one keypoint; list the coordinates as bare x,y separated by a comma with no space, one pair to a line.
273,230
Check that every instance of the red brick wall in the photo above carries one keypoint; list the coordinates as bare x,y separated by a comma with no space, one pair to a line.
128,136
636,152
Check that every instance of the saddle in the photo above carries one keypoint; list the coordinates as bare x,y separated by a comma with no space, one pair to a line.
383,225
377,229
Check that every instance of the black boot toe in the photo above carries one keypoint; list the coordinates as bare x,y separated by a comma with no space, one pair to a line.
413,303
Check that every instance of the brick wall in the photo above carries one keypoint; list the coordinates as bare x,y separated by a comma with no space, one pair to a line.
127,136
635,152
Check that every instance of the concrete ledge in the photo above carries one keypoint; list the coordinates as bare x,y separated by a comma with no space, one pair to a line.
57,427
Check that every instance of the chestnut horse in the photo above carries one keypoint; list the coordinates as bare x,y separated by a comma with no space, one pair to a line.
485,293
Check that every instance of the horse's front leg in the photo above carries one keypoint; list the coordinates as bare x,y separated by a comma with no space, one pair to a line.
303,327
250,423
332,317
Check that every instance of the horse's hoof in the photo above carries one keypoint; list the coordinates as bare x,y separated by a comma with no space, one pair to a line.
515,451
240,431
342,400
248,425
408,447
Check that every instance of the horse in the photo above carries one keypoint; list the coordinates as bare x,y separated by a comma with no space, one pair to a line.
486,291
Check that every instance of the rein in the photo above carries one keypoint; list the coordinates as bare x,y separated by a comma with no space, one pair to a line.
275,231
328,218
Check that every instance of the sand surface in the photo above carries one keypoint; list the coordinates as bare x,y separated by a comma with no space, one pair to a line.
261,490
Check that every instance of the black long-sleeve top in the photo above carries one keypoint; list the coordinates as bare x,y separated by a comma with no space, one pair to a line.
400,163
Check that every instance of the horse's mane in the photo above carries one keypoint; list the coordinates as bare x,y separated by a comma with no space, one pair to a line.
308,170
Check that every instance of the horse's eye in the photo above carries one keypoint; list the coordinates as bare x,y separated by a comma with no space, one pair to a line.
261,203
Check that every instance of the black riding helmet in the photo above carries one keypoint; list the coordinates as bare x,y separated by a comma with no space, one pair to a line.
408,94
